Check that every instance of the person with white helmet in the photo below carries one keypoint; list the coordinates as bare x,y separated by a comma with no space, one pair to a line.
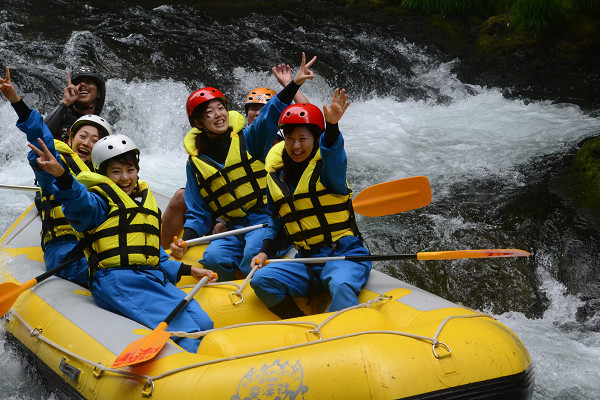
225,174
119,221
58,237
84,95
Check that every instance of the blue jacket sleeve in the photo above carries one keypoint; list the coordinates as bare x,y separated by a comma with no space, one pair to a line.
260,134
198,215
35,128
84,210
335,165
170,267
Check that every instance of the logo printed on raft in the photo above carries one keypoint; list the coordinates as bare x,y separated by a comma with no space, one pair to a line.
276,381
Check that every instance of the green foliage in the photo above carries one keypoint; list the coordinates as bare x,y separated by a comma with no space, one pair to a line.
590,6
451,7
536,16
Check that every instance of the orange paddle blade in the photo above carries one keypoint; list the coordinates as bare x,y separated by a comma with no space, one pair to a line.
393,197
484,253
143,349
10,292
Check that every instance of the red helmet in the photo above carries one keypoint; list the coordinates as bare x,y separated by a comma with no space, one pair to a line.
202,95
302,113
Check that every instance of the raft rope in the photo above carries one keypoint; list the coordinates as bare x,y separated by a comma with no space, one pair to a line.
149,380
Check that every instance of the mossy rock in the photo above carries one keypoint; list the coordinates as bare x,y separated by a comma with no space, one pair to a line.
491,46
448,32
586,174
496,26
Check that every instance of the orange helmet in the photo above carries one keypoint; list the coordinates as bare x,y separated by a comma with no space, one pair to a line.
203,95
259,96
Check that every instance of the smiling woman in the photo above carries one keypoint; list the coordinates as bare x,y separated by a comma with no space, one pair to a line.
58,236
119,220
85,132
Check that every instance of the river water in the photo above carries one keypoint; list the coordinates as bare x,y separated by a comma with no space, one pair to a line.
496,161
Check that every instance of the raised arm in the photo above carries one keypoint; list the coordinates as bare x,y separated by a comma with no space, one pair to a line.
54,120
7,88
46,159
283,74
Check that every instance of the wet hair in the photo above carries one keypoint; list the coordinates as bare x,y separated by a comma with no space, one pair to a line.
129,158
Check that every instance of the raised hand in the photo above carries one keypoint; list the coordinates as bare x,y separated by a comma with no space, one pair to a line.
7,88
71,92
304,72
283,74
338,106
46,159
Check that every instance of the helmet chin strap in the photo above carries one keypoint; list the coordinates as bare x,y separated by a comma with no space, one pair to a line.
79,106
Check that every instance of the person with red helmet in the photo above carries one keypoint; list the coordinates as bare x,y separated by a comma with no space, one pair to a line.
311,206
84,95
173,216
226,178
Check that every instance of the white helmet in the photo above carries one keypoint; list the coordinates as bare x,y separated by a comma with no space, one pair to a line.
103,126
111,146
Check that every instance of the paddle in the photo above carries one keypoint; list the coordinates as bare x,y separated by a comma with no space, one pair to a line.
10,291
19,187
147,347
393,197
374,201
427,255
210,238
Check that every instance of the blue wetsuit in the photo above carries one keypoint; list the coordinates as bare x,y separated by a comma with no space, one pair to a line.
146,295
343,279
226,255
55,250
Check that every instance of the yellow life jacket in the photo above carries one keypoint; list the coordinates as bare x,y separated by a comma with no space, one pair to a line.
54,223
130,235
236,188
312,215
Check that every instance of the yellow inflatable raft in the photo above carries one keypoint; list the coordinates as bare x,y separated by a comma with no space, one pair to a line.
399,343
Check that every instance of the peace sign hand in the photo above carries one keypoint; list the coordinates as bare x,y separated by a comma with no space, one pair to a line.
7,88
70,93
338,106
46,160
304,72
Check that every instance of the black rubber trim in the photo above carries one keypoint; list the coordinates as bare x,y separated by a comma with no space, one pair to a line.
51,381
512,387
